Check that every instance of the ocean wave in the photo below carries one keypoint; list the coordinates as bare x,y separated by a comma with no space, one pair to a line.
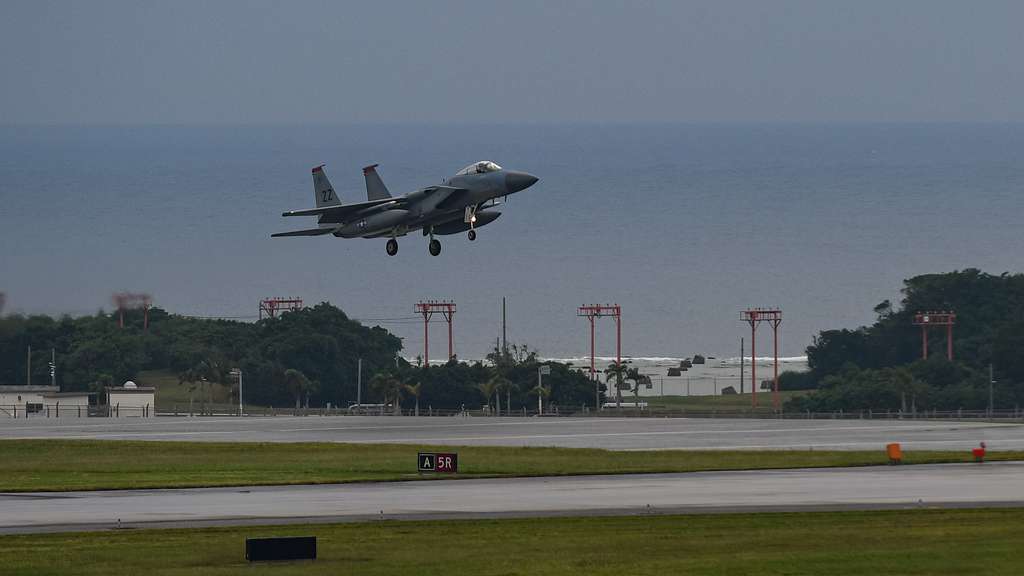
710,361
671,360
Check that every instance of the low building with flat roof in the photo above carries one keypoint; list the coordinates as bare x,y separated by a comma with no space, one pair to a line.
19,401
131,400
48,401
66,404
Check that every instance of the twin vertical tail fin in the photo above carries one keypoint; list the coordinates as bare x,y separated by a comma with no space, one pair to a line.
322,189
375,188
326,196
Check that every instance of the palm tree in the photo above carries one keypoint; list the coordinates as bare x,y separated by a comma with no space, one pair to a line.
213,370
509,387
638,380
540,392
415,390
502,384
209,371
390,387
616,370
488,389
189,377
297,384
906,383
206,371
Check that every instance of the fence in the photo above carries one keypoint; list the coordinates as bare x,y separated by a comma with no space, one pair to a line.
588,411
32,410
1009,415
117,411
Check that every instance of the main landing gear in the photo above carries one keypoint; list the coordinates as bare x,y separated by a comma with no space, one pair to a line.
392,247
435,245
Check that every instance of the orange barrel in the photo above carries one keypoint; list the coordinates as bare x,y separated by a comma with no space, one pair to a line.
895,452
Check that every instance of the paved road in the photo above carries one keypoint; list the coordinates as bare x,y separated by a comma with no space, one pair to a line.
610,433
951,485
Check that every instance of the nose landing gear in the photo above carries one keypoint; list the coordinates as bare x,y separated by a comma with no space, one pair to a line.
392,247
470,218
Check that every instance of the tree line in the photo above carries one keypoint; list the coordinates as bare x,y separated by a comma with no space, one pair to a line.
880,366
306,357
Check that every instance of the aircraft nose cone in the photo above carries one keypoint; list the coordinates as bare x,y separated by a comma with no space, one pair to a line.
516,181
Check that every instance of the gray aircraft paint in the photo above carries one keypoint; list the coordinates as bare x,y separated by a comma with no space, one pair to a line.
323,192
461,203
375,188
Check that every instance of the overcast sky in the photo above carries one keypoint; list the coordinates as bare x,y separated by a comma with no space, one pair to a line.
439,61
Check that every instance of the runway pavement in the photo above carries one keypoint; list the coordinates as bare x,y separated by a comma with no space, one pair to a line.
950,485
609,433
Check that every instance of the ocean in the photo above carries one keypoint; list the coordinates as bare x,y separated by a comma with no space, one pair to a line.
682,225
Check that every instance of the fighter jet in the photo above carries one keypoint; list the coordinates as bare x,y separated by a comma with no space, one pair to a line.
461,203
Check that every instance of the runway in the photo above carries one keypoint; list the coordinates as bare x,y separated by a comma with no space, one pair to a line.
608,433
949,485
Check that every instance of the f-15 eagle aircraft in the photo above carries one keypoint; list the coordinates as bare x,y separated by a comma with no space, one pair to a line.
461,203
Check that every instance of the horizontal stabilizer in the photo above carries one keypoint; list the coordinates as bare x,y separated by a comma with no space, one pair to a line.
310,232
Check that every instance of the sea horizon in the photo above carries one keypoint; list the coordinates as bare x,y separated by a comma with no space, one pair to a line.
683,224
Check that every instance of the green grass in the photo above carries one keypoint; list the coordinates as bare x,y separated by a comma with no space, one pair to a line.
54,465
170,392
985,541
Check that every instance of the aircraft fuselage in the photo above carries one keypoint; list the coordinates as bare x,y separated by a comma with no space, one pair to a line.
460,203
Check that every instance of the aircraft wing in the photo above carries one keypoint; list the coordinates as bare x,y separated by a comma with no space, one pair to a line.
310,232
444,190
336,213
447,195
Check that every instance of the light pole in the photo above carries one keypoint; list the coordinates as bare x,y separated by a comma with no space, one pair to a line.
541,371
991,383
238,372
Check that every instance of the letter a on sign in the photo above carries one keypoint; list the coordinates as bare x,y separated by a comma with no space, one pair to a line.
426,462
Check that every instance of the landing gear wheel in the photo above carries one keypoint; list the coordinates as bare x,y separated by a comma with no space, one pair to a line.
434,247
392,247
472,235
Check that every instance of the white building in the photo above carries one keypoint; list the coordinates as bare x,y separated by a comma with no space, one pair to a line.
42,401
131,401
66,404
19,401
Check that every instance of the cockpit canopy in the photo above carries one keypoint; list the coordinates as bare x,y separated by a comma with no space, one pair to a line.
481,167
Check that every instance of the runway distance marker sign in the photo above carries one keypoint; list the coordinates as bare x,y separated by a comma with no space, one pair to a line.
446,463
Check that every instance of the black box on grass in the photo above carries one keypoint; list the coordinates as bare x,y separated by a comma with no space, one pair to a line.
270,549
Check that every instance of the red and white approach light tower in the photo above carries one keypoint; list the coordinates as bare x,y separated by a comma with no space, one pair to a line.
754,316
944,318
270,307
592,311
445,308
127,301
